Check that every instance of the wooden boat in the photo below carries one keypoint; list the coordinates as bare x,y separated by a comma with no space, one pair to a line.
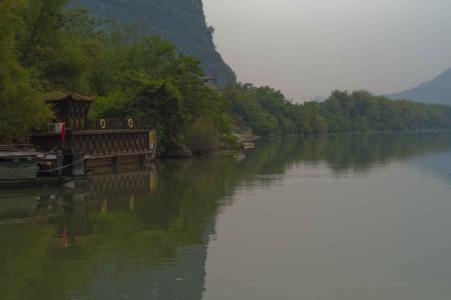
24,167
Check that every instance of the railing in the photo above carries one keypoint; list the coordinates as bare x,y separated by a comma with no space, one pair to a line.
115,124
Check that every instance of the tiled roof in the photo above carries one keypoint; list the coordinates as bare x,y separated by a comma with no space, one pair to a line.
55,96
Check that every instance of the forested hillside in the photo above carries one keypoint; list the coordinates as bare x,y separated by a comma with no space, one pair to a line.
269,113
181,22
46,45
437,91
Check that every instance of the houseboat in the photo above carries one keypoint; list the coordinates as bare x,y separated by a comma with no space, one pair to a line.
25,167
87,144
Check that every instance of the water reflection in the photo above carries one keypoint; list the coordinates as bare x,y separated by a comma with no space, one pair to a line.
144,234
356,152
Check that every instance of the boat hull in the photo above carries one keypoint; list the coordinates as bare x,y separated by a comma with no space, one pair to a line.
28,183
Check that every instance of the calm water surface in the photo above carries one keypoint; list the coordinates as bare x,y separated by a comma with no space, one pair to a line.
344,217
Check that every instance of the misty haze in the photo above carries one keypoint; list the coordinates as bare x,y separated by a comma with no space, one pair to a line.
307,48
225,149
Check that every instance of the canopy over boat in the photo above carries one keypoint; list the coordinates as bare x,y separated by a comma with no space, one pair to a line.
20,164
18,154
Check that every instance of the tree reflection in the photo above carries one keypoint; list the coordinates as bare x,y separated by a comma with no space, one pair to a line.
144,234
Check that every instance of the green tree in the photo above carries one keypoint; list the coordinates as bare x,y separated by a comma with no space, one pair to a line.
21,103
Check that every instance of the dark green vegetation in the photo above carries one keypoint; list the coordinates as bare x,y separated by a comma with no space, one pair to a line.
21,105
360,111
46,46
269,113
54,45
179,21
435,91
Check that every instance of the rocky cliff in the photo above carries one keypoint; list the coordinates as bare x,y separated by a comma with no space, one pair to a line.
180,21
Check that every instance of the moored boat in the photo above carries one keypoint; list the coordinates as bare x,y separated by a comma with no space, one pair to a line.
22,166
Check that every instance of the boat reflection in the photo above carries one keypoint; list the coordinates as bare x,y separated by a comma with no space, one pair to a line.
143,234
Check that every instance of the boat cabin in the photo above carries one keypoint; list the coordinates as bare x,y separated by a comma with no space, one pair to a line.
70,108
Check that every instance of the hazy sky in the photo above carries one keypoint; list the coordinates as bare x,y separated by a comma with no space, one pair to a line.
307,48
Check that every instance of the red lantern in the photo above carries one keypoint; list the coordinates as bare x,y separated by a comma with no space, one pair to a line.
63,131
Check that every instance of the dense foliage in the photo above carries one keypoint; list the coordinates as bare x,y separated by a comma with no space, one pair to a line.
146,79
55,45
21,104
141,77
361,111
269,113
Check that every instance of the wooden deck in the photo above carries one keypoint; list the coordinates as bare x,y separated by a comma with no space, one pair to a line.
85,143
85,150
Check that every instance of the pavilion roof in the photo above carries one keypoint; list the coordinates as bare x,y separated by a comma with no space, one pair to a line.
56,96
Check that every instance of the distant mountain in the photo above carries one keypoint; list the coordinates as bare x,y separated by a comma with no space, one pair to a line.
180,21
437,91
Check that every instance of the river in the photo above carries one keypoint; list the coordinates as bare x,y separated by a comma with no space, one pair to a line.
341,217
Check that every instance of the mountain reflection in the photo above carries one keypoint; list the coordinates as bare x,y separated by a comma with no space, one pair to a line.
144,234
